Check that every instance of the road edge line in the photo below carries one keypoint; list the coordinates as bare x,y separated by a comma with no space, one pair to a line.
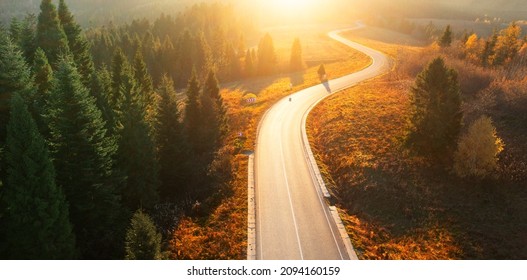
251,212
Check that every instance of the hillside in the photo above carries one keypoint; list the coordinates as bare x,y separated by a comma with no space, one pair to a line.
98,11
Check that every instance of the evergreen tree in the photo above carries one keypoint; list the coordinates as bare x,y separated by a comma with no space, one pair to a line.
192,114
37,222
28,37
185,60
171,143
15,30
218,112
322,72
101,88
201,54
296,61
15,77
436,104
50,35
43,75
488,50
143,242
77,43
137,157
249,64
119,69
144,81
446,38
266,56
233,67
83,154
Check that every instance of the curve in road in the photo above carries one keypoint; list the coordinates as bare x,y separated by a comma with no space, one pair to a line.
293,221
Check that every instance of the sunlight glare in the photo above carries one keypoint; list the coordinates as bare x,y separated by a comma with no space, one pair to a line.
293,6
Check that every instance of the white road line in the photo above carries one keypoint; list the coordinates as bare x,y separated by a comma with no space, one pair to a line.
315,181
290,200
258,219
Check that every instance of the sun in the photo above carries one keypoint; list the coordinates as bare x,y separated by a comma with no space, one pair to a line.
293,5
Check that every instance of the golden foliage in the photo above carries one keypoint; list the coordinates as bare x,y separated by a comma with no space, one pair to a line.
478,150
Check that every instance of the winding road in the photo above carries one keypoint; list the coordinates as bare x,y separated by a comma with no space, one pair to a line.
293,220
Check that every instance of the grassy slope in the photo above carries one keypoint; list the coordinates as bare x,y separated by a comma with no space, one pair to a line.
395,206
222,233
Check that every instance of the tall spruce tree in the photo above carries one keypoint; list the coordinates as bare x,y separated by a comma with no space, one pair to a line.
50,35
15,77
28,37
77,43
296,62
143,80
171,145
249,64
143,242
266,56
436,105
192,114
84,154
446,38
43,76
119,69
37,222
137,157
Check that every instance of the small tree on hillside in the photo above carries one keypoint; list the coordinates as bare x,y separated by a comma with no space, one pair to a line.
143,242
436,105
296,62
446,38
478,150
322,72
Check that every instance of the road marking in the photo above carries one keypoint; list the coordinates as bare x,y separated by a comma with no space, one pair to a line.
290,200
311,172
258,222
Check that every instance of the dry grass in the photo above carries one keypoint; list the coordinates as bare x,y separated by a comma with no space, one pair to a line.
222,233
396,206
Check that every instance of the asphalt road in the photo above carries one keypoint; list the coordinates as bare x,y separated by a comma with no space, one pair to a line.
292,219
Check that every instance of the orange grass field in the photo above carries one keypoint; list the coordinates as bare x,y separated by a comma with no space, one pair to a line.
398,206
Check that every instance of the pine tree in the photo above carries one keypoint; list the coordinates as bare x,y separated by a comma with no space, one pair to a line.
143,242
172,147
192,114
15,77
137,157
211,91
436,104
50,35
84,154
15,30
185,58
322,72
296,62
37,222
77,43
28,37
446,38
101,88
201,54
488,50
266,56
249,64
119,69
43,75
144,81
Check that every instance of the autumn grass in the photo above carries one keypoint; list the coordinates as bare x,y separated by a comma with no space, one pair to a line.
398,206
222,232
